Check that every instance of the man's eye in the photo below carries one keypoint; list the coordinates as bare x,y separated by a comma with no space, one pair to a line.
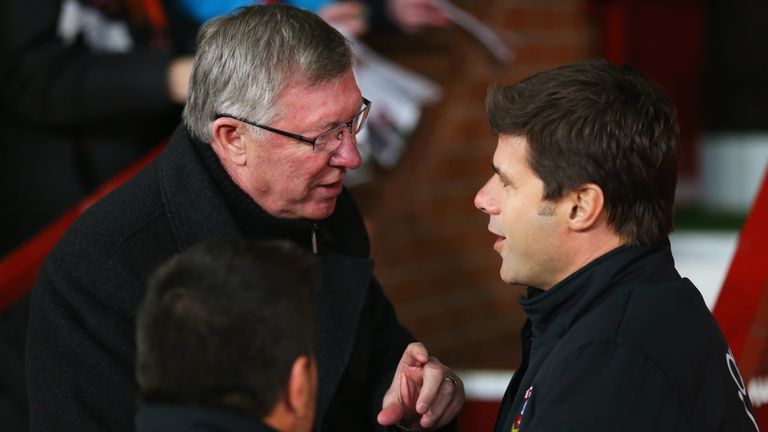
505,184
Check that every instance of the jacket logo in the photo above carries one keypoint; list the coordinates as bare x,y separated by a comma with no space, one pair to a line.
519,419
742,391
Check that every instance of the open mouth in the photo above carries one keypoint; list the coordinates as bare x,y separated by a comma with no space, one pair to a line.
500,238
333,187
498,243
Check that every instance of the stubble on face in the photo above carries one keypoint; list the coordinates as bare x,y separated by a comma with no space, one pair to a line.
547,210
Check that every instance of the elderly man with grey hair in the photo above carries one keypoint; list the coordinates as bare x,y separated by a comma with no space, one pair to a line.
268,135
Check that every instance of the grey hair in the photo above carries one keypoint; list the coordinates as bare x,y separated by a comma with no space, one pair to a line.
245,60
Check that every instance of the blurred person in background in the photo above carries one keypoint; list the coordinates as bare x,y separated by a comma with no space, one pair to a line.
352,17
224,340
268,137
581,202
89,86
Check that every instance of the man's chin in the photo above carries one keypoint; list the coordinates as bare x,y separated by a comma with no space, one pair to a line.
507,276
320,210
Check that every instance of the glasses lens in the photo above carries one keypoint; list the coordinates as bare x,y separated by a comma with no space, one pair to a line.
358,123
329,141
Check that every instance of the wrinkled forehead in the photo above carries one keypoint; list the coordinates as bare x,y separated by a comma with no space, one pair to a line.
325,103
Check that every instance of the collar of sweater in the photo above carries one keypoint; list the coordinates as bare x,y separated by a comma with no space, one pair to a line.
252,219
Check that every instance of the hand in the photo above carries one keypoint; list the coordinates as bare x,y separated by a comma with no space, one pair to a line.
348,16
412,15
178,78
421,394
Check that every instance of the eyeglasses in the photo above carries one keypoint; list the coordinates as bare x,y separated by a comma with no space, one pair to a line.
327,141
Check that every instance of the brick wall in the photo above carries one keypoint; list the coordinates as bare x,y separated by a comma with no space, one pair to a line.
433,254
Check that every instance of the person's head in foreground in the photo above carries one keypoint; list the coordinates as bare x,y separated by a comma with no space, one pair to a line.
273,93
228,326
586,161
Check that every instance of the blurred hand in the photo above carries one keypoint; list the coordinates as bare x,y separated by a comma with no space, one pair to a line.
421,395
178,78
347,16
412,15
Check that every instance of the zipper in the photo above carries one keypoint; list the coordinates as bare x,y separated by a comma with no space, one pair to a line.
314,238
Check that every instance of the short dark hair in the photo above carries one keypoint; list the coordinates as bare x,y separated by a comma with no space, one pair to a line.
222,323
592,122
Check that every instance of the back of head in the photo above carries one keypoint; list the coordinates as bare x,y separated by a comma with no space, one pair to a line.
244,60
222,323
592,122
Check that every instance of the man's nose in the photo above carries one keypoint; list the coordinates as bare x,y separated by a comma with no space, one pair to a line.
484,200
347,155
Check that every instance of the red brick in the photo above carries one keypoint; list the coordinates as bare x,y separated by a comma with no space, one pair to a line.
433,253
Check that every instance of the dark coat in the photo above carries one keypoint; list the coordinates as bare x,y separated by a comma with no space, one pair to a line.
624,344
177,418
80,354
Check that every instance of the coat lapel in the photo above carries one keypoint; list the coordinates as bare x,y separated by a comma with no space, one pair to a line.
338,302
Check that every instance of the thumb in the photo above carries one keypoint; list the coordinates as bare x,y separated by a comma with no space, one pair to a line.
390,414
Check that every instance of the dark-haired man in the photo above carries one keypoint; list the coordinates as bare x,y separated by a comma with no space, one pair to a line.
581,202
268,136
224,341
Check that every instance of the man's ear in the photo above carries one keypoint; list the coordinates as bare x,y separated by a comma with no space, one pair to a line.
228,140
587,205
295,407
302,388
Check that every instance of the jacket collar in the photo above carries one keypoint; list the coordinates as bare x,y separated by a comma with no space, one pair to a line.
554,311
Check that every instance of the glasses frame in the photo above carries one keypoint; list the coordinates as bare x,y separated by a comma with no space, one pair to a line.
302,138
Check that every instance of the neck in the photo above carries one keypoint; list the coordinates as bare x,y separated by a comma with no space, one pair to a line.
583,248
